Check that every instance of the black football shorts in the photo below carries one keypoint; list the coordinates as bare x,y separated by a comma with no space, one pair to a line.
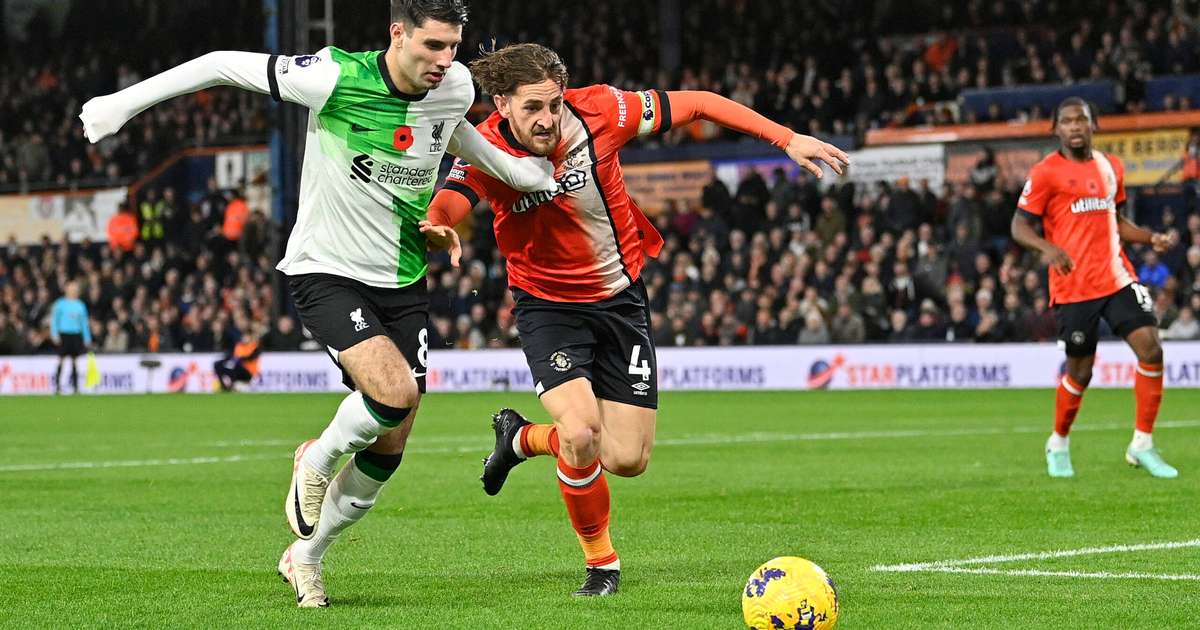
340,312
607,342
1125,311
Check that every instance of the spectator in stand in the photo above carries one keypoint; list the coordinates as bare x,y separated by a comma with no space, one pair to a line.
234,221
122,230
1184,327
153,215
284,337
1153,272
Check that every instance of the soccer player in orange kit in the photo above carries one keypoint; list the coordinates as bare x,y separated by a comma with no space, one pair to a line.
1078,194
574,257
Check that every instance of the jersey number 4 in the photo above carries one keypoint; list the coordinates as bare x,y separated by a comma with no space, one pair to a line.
642,370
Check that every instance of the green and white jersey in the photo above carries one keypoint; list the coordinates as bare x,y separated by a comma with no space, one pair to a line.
371,159
371,154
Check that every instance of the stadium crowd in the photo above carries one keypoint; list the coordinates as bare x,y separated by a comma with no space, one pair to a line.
821,69
188,287
771,262
782,262
48,77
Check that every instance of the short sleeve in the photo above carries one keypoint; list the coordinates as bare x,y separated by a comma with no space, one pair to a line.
1036,194
304,79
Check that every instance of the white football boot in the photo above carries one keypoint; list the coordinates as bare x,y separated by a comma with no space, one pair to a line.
305,580
305,495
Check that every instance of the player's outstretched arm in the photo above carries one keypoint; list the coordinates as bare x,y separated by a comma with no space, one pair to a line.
687,106
527,174
103,116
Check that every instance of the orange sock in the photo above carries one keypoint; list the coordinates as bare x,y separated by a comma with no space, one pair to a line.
1147,390
539,439
1066,405
585,492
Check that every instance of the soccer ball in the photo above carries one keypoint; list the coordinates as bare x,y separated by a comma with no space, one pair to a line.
790,592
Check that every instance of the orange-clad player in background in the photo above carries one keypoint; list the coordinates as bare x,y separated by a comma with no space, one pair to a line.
575,256
240,365
1078,195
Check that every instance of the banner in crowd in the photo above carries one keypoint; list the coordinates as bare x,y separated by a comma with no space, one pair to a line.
867,166
1148,155
77,216
930,366
891,164
653,185
1014,158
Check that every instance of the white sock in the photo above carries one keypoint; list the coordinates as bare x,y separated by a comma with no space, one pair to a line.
1141,441
516,444
615,565
353,428
1058,442
351,495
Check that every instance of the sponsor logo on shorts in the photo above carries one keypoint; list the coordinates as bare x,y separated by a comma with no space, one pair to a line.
560,361
307,60
1078,337
356,316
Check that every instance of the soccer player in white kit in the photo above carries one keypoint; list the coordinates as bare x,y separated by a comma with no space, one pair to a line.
378,127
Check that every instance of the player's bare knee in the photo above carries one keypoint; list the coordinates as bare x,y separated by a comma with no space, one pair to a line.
627,465
1081,375
1151,353
580,443
400,391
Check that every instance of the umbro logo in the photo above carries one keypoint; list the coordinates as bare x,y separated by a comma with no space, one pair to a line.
360,168
356,316
357,128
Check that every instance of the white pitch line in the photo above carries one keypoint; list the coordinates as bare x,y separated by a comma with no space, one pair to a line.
1103,575
136,463
963,565
473,445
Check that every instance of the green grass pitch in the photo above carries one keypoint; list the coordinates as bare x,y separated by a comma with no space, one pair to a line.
166,511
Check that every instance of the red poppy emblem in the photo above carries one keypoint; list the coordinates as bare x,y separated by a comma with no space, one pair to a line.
402,138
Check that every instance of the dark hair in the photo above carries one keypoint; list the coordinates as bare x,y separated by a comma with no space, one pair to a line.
1079,102
501,72
415,12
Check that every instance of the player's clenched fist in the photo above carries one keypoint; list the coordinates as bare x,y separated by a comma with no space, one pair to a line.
1163,242
102,117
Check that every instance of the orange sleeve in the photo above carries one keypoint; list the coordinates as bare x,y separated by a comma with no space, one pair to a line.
687,106
449,207
1035,197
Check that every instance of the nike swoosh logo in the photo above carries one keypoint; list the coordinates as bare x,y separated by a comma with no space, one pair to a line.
361,506
417,374
305,528
357,128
